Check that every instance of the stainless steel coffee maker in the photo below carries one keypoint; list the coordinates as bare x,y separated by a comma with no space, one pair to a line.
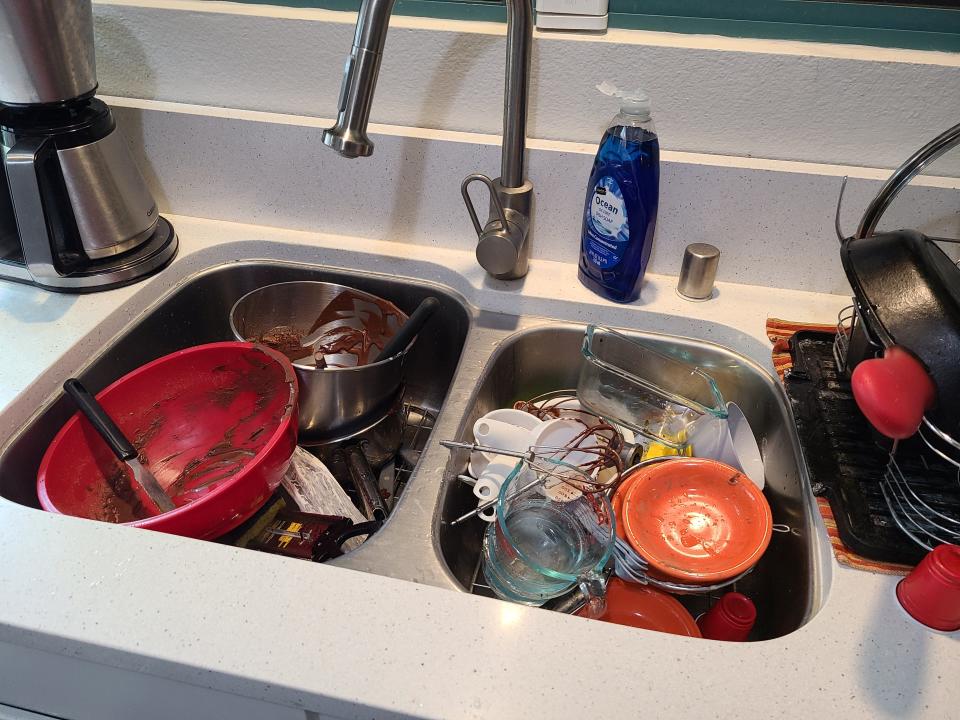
75,213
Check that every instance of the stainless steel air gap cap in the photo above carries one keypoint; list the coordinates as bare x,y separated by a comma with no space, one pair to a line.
698,271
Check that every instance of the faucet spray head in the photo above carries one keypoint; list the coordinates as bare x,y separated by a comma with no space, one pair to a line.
347,141
349,135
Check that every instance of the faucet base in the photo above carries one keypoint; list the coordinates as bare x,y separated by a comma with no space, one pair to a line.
518,207
503,247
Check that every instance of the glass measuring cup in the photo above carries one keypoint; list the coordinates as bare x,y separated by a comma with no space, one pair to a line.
553,530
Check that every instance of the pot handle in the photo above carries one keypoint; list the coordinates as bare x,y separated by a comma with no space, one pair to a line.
399,342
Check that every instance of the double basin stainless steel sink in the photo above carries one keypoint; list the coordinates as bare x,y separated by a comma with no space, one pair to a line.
470,362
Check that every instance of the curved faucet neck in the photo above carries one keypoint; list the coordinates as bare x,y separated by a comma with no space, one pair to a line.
516,92
349,135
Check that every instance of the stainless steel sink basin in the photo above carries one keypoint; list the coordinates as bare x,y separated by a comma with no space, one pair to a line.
198,312
471,362
786,585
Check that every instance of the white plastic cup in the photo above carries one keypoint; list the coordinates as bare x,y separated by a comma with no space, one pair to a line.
501,435
494,434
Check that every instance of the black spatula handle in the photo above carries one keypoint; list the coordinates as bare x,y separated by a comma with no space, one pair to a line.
102,423
398,343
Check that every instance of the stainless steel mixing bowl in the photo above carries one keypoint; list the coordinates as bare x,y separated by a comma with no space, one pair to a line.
335,403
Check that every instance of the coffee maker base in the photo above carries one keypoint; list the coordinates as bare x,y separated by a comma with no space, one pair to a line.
150,257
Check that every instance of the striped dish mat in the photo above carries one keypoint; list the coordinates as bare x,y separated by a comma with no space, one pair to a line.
780,332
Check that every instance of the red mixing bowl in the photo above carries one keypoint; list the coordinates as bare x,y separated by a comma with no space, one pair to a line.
216,424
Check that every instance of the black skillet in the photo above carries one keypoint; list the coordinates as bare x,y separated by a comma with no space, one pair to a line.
907,292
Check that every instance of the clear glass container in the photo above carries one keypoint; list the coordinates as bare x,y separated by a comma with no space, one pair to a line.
629,383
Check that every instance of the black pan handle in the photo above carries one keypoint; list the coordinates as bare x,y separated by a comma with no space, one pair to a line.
101,422
411,327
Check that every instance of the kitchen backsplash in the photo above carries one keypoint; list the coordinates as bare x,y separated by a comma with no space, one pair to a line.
773,221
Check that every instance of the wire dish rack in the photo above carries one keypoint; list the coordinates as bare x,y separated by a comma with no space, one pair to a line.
917,505
417,423
921,492
847,321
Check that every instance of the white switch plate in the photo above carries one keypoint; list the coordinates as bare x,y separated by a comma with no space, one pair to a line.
556,21
573,7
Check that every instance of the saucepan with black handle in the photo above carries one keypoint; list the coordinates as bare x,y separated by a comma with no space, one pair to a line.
347,348
907,325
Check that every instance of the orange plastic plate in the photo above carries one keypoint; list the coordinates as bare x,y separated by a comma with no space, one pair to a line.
643,607
696,520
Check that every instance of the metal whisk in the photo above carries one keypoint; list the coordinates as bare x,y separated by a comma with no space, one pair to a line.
546,461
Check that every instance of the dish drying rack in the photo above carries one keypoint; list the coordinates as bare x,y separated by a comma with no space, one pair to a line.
937,440
417,423
918,479
912,508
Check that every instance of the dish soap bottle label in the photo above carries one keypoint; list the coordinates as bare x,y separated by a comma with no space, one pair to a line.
608,230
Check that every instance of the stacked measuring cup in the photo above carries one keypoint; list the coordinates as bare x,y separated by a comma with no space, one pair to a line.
554,529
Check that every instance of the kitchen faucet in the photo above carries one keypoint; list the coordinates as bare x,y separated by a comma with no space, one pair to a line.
503,246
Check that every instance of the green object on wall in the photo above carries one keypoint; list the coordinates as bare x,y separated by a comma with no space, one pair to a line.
863,23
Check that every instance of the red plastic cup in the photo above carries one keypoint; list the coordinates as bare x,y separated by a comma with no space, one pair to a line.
731,618
931,592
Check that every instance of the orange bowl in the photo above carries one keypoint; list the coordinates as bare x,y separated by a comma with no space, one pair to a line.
616,502
695,520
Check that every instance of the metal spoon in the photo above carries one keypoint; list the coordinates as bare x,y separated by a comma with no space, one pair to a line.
121,447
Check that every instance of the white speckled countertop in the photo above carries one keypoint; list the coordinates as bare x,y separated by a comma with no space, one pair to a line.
340,643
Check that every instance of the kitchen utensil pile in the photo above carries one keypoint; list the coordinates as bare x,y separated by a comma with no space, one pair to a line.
198,442
550,472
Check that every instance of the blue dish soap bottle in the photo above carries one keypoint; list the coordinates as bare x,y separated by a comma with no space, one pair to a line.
620,212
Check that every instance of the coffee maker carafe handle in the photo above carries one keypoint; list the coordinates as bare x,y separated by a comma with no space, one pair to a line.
23,162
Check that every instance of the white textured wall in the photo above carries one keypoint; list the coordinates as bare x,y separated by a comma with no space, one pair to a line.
772,99
772,220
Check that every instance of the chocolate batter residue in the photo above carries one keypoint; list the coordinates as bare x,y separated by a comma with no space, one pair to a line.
144,436
285,339
118,501
355,324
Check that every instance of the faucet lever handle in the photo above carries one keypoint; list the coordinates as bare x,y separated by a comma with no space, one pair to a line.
502,247
494,197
